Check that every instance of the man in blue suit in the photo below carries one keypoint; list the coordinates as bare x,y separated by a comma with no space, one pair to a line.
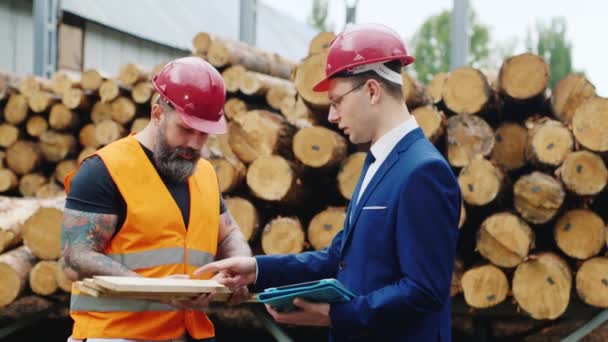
396,249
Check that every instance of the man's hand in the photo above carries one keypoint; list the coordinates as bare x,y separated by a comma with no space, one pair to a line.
234,272
198,302
310,314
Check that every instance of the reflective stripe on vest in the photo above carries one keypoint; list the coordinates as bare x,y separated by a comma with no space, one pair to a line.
162,256
92,304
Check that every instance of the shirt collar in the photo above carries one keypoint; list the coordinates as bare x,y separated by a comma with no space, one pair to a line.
381,148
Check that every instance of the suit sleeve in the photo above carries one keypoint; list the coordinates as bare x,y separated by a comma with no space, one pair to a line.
427,235
279,270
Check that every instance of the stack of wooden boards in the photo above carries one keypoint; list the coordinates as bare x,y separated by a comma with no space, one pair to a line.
530,161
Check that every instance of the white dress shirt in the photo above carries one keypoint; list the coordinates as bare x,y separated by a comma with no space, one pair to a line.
383,147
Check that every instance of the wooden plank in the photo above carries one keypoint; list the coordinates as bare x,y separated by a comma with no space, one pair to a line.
163,285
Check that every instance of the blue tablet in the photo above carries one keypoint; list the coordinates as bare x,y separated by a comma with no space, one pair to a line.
320,291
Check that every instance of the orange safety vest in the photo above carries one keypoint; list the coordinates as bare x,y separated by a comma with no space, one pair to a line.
153,242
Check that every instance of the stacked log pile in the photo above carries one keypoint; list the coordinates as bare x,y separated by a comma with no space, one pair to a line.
530,162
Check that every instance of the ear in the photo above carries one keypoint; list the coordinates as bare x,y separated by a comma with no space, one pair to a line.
156,114
374,90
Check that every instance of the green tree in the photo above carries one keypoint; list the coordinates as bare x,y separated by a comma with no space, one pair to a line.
432,45
318,16
551,44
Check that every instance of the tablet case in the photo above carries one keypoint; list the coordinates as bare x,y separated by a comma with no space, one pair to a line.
321,291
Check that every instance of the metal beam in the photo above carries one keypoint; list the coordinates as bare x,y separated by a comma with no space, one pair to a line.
459,49
248,21
45,14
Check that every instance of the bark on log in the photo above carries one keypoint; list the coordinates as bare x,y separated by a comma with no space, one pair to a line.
42,278
107,131
16,109
484,286
257,84
590,124
435,87
273,179
580,234
414,92
541,286
592,282
319,147
309,72
505,239
584,173
75,99
62,118
132,73
142,92
14,269
230,173
57,146
123,110
509,149
466,91
523,77
549,141
30,183
41,233
320,42
481,182
233,76
324,226
432,122
349,174
245,214
467,137
537,197
568,94
91,79
9,134
36,125
40,101
23,156
283,235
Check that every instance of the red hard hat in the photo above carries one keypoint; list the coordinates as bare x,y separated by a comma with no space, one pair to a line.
195,89
363,44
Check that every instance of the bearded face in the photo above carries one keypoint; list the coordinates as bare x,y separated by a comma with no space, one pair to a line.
174,164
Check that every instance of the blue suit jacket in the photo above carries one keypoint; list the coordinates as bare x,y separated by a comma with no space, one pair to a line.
397,255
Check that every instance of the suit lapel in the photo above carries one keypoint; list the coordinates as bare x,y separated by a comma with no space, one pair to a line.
388,163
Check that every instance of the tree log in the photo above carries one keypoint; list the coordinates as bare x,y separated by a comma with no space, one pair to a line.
319,147
273,179
63,281
568,94
431,121
36,125
537,197
30,183
23,156
260,133
457,273
481,182
8,180
541,286
132,73
276,94
62,118
320,42
14,213
414,92
484,286
91,79
297,112
283,235
257,84
30,84
466,91
509,149
218,146
584,173
123,110
75,99
40,101
101,111
42,278
580,234
223,52
49,190
86,152
201,42
505,239
139,124
16,109
87,136
435,87
109,90
590,124
523,77
9,134
234,107
349,174
14,269
107,131
549,141
463,215
592,282
56,146
233,76
142,92
324,226
467,137
309,72
230,173
41,233
63,168
245,214
62,82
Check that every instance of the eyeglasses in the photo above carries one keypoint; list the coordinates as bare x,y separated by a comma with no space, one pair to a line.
339,99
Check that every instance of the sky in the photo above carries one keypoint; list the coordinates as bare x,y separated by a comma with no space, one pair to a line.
509,22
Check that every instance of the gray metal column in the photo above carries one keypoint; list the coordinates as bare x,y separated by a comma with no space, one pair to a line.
459,49
45,14
248,22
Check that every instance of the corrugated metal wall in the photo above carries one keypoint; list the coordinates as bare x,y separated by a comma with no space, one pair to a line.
16,37
107,49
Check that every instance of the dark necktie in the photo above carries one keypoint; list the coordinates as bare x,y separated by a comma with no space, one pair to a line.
369,159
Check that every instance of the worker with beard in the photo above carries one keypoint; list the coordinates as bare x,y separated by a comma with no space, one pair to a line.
147,205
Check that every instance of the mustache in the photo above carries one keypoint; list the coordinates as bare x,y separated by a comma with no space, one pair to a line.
187,151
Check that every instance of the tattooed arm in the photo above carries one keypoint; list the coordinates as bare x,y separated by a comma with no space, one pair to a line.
231,241
84,236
